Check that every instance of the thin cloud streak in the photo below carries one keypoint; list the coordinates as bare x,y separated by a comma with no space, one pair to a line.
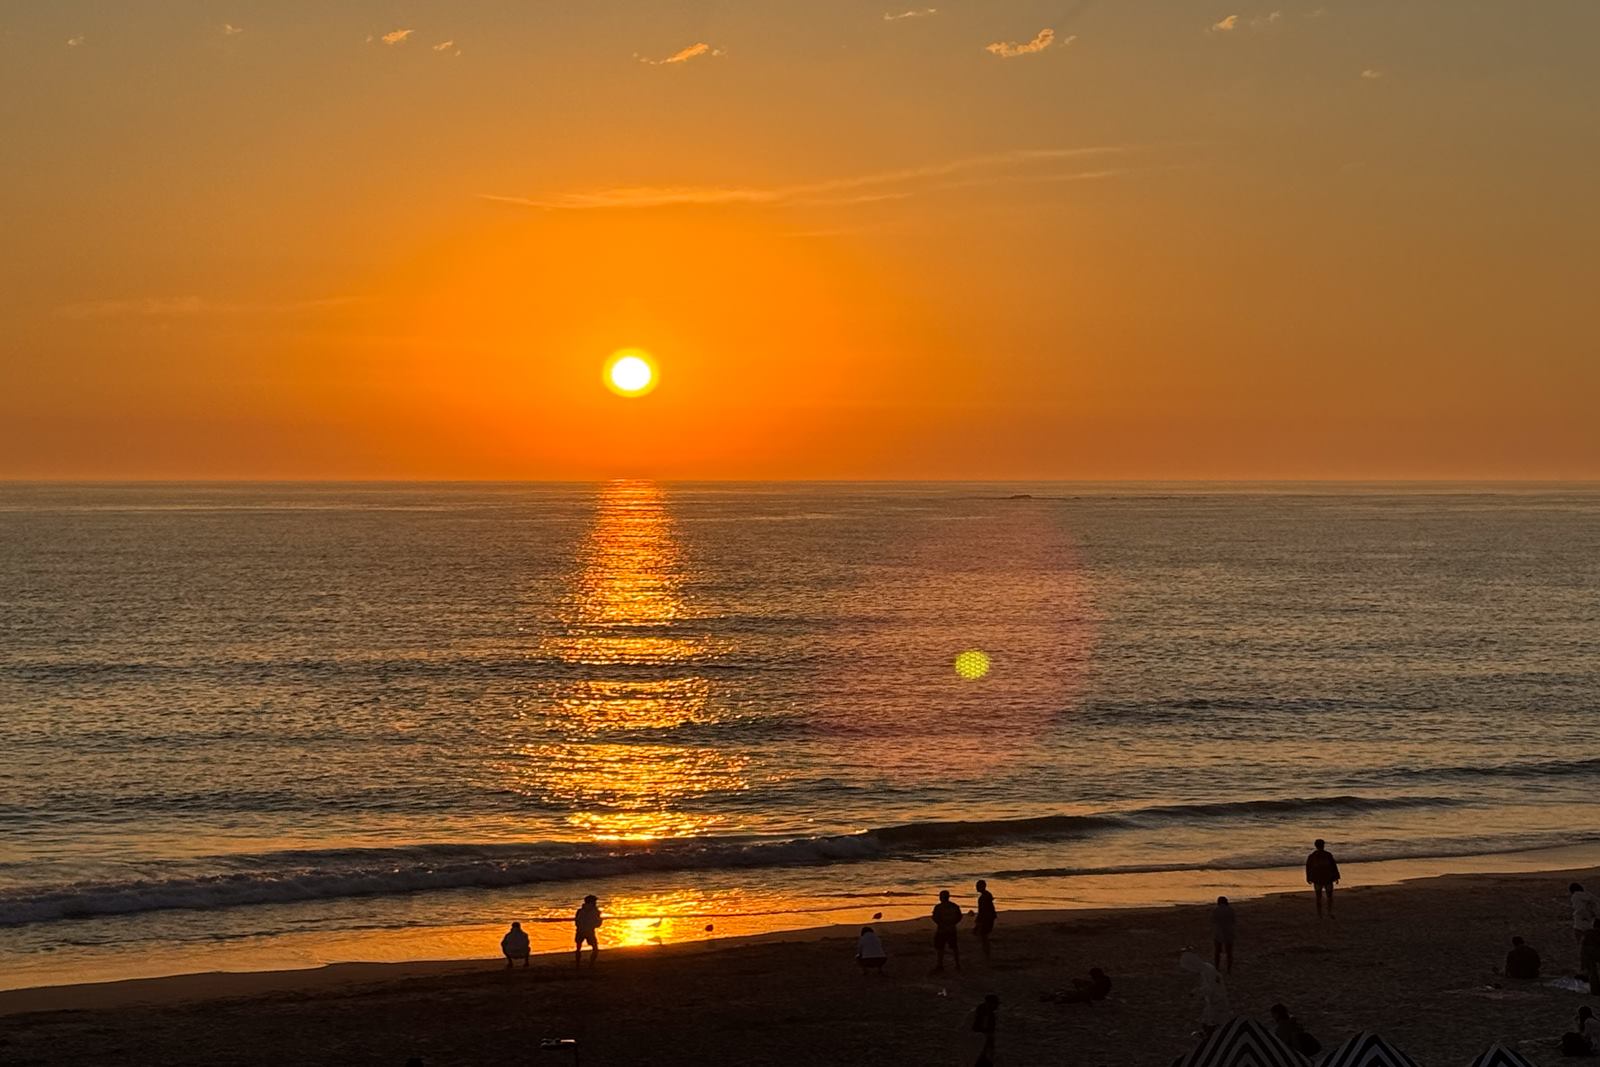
396,36
1226,25
188,307
857,189
1011,49
915,13
229,29
694,51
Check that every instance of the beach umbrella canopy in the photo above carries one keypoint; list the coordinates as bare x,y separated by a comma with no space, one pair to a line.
1367,1049
1500,1056
1242,1042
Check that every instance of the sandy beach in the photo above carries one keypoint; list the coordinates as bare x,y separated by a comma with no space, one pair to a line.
1416,961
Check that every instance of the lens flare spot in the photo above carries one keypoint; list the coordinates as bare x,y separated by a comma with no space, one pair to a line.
972,664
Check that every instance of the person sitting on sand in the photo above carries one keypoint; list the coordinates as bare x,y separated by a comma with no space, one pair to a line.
1522,962
1585,1040
946,917
1084,991
1222,926
1291,1033
1213,993
986,916
1322,871
588,922
515,945
869,951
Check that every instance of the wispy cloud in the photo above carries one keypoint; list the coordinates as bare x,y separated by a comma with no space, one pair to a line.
1372,74
73,42
229,29
910,13
188,307
396,36
856,189
683,55
1225,25
1011,49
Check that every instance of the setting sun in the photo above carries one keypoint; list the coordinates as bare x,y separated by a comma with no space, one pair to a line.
630,372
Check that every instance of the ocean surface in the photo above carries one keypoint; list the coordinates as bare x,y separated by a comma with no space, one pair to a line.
265,725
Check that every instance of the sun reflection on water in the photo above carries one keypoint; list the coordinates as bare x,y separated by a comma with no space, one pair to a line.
625,628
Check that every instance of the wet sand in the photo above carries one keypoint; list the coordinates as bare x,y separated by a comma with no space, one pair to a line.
1414,961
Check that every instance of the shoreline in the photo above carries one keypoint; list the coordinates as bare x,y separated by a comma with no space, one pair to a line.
191,986
1414,960
437,950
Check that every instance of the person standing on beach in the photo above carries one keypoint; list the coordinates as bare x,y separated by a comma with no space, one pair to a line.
1322,871
1222,927
1585,915
986,916
515,945
587,922
946,917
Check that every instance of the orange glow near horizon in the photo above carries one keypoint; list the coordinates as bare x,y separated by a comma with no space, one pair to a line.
1100,260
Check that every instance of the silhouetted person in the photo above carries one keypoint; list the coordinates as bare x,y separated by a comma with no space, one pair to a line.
1291,1033
984,926
1585,914
515,945
1585,1040
587,924
1589,959
1222,926
869,951
1522,961
1322,871
946,917
984,1020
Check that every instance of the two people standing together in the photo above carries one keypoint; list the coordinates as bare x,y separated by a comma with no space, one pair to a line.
947,917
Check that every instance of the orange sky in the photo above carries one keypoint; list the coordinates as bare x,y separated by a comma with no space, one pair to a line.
1162,240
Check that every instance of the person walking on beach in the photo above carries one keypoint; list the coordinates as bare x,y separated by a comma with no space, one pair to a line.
870,953
515,945
1322,871
1222,927
984,926
587,922
1585,914
984,1020
946,917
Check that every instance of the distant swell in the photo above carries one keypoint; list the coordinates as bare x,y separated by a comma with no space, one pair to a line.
286,877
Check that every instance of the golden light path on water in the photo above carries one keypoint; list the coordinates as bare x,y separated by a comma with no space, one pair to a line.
634,673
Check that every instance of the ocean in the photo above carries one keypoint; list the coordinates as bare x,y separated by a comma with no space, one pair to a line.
259,725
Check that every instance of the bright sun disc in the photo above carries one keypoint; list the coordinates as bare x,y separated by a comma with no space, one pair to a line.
630,373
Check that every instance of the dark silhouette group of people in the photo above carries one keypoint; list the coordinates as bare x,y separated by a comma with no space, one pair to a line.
1522,962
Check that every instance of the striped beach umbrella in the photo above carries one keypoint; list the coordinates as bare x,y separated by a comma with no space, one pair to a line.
1367,1049
1500,1056
1242,1042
